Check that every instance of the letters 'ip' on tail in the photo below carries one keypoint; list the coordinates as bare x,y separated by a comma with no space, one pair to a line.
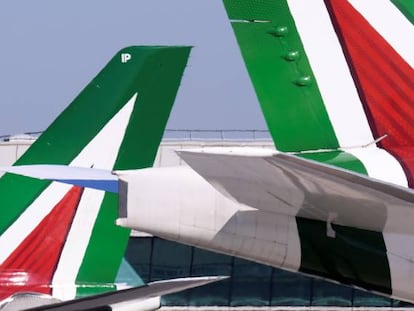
61,239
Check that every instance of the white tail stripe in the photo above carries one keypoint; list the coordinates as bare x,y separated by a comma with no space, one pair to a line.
101,152
338,90
103,149
30,218
390,23
380,165
331,72
76,244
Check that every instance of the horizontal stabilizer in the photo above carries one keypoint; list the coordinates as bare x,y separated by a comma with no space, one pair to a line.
150,290
80,176
290,185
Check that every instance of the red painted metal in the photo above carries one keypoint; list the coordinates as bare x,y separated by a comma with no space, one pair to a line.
31,266
385,82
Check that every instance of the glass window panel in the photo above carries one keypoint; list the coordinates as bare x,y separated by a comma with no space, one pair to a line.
250,284
210,263
330,294
171,260
290,289
138,254
366,299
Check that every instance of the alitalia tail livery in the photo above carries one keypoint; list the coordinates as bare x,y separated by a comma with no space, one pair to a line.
335,81
59,242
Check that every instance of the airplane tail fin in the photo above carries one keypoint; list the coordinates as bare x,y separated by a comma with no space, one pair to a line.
281,75
61,239
340,81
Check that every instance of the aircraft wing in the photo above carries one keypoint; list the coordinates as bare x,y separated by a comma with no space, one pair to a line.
287,184
154,289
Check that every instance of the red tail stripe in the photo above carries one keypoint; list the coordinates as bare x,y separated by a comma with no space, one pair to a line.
383,74
385,82
37,256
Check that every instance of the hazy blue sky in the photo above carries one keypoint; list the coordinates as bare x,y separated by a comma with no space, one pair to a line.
51,49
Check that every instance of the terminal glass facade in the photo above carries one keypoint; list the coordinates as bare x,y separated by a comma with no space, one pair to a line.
250,284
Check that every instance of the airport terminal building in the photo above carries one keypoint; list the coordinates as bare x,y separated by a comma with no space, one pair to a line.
250,285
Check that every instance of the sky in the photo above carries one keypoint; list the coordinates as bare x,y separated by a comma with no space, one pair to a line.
51,49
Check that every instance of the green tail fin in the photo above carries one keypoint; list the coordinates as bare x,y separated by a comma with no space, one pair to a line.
281,75
116,122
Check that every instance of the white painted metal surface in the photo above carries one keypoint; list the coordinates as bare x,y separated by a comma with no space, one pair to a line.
332,72
191,211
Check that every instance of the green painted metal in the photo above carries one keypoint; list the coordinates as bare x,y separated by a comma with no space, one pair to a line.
297,119
406,7
354,256
281,75
102,98
105,250
337,158
251,9
284,82
152,72
157,85
13,200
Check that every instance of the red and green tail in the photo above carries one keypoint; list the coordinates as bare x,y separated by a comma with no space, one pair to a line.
62,240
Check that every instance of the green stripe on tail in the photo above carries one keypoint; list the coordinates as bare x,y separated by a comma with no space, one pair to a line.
157,84
102,98
281,75
298,121
406,7
154,73
276,61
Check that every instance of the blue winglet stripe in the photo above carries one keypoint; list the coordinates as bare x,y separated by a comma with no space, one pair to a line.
105,185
